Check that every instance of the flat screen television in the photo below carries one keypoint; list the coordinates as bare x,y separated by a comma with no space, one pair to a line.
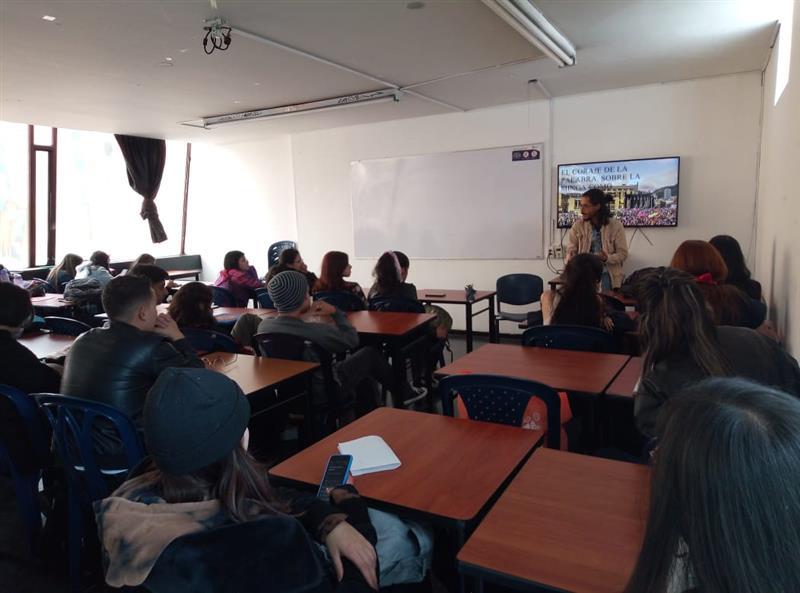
644,191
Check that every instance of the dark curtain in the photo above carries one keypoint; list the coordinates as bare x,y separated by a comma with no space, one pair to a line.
144,159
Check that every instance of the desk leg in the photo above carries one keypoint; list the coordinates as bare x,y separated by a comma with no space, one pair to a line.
469,326
493,337
399,373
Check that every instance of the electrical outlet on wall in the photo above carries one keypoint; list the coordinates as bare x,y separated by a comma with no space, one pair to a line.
556,251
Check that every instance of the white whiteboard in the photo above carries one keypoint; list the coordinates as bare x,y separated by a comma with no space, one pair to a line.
475,204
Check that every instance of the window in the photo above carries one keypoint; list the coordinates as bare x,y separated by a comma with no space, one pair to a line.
14,195
97,209
784,49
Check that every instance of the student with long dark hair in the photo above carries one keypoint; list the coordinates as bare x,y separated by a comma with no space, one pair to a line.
730,306
738,272
600,233
724,502
64,271
335,268
191,306
390,275
238,277
201,477
683,345
290,259
577,301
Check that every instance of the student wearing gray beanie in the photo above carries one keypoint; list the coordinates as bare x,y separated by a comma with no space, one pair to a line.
201,477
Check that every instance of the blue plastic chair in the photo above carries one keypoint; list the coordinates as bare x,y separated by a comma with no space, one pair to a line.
263,299
345,301
395,305
73,421
275,250
502,400
222,297
518,290
65,325
208,340
570,337
26,485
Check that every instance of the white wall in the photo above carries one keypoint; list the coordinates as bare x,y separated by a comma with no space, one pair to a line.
778,264
713,124
241,197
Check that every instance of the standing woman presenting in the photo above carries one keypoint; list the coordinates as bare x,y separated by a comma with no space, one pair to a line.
598,232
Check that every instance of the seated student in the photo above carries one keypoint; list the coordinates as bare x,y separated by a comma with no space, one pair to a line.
191,306
724,504
335,268
290,259
682,345
358,372
20,369
118,363
158,278
144,258
730,306
97,267
64,272
738,273
201,477
390,275
239,277
577,301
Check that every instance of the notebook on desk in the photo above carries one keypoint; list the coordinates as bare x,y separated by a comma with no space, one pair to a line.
370,454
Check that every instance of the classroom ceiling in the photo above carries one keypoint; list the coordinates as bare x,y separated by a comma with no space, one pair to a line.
99,65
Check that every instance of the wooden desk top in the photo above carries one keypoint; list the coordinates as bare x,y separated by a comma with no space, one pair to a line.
455,297
45,344
451,467
627,301
254,373
589,372
627,379
51,300
183,273
384,323
568,522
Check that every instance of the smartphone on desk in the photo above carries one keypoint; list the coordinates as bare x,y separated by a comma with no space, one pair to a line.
336,473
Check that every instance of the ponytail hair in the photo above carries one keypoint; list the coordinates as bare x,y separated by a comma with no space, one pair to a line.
599,197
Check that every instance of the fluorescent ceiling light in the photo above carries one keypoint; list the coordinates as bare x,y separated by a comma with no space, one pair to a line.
298,108
48,18
529,22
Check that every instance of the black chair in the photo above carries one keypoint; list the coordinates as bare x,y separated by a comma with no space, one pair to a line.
65,325
222,297
290,347
73,421
208,340
275,250
345,301
570,337
518,290
26,483
395,305
502,400
263,299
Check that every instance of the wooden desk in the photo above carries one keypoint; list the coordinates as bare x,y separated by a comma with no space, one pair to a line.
567,370
555,283
175,274
459,297
625,383
46,344
233,313
566,522
51,300
627,302
261,379
451,467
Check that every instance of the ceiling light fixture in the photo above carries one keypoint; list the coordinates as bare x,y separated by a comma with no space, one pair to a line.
48,18
355,99
218,36
529,22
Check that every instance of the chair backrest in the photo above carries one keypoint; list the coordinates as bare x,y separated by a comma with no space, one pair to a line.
73,421
263,299
34,423
519,289
222,297
502,400
224,560
65,325
395,305
570,337
345,301
275,250
208,340
277,345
